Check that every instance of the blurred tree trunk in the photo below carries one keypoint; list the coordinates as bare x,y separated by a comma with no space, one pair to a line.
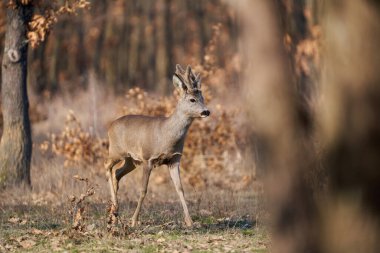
122,51
180,35
81,58
16,142
350,125
54,64
135,40
109,55
347,218
38,60
55,61
280,133
161,47
299,32
201,19
2,26
296,25
169,40
101,11
147,57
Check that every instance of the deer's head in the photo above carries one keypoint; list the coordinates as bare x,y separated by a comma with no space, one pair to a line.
191,100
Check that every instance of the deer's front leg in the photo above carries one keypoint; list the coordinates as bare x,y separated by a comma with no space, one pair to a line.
174,174
144,187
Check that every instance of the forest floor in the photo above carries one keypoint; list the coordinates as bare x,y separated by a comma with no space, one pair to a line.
43,228
39,219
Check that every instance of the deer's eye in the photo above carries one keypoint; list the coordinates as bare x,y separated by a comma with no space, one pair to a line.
192,100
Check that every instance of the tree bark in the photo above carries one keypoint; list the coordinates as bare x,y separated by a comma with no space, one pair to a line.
16,143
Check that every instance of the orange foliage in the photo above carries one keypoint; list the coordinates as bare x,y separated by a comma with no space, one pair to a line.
76,145
41,24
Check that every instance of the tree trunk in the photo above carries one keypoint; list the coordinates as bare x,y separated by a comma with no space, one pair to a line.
169,43
350,125
16,143
135,40
280,134
161,54
102,6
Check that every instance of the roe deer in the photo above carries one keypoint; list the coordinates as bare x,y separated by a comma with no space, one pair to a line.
153,141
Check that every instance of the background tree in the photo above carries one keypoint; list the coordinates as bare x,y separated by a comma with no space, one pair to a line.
16,142
22,28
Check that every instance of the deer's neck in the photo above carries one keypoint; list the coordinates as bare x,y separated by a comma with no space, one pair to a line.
178,124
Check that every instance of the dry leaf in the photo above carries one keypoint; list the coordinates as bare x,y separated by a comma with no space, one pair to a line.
40,25
14,220
36,231
159,240
26,244
55,244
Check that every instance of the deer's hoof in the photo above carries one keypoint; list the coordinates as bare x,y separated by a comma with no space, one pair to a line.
134,223
188,222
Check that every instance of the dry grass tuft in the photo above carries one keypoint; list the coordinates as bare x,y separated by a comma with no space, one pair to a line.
77,210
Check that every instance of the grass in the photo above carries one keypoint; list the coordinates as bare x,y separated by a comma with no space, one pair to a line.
46,228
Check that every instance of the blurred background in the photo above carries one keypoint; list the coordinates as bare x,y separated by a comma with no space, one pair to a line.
132,43
293,87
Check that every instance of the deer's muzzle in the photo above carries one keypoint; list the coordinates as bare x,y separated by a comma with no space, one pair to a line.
205,113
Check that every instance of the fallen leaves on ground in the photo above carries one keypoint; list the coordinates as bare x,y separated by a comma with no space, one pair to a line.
17,220
161,238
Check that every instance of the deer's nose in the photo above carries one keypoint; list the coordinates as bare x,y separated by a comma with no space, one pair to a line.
205,113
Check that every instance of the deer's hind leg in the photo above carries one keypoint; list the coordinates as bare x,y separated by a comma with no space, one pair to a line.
116,169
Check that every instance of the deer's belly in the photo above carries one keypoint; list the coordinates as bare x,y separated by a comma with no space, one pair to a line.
152,149
165,159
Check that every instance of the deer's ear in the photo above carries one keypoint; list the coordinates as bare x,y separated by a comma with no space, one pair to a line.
179,84
199,82
179,69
